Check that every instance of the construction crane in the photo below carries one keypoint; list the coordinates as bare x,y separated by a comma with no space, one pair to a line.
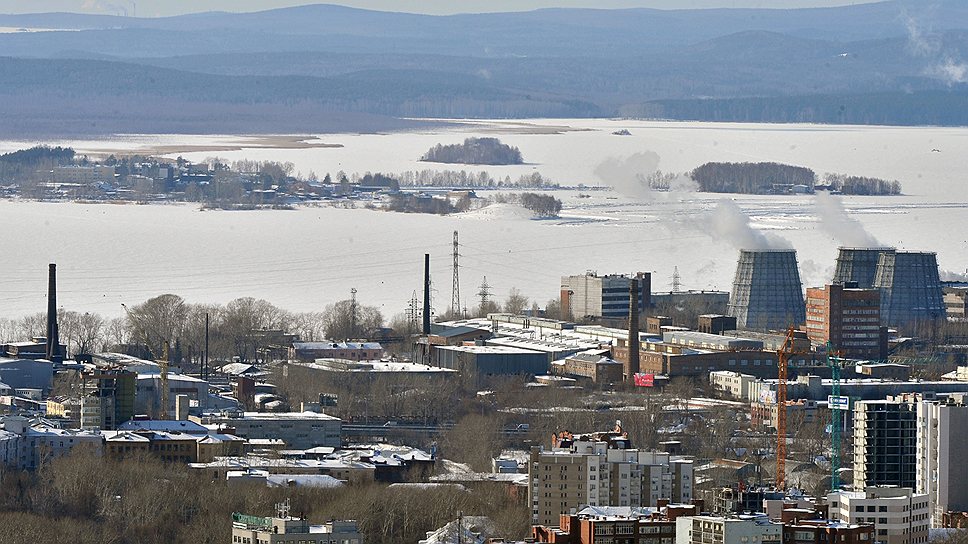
834,363
784,353
162,363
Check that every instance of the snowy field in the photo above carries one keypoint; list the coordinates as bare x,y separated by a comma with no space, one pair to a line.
304,259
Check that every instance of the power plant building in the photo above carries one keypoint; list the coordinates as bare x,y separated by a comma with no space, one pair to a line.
910,288
591,295
767,293
858,265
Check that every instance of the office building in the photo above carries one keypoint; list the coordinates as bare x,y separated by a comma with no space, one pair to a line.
594,296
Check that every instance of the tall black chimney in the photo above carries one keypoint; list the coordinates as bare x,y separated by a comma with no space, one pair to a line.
426,300
53,339
632,365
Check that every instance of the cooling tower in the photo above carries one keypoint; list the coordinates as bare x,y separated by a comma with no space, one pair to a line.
858,264
910,288
767,293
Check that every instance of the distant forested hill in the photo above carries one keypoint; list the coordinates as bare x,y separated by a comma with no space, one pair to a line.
324,67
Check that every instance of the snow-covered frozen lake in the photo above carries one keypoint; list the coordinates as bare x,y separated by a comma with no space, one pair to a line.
304,259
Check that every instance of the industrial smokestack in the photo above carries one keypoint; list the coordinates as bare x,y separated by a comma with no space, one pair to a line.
426,300
53,338
632,364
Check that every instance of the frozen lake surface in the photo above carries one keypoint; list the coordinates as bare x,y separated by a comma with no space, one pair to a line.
304,259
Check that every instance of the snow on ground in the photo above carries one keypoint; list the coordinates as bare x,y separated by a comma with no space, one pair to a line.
304,259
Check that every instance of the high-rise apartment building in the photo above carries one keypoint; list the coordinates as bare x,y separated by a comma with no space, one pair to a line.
601,469
942,466
885,443
849,319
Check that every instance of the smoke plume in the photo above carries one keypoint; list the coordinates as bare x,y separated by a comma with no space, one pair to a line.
728,223
835,221
634,176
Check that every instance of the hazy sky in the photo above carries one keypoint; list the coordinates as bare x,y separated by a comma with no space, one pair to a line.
155,8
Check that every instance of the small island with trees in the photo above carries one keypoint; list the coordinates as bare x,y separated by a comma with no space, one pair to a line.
486,151
765,178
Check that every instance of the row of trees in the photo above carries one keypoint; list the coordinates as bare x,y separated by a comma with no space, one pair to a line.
541,205
481,180
858,185
475,151
148,502
243,328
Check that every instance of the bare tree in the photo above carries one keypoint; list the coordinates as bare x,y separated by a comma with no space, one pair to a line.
516,302
347,320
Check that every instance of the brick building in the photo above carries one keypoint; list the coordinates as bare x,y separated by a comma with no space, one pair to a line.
849,318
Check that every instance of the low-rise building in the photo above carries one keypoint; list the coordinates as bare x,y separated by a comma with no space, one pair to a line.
898,514
592,365
733,384
352,351
489,360
299,430
596,524
286,529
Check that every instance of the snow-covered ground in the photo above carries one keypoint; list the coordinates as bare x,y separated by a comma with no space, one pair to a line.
309,257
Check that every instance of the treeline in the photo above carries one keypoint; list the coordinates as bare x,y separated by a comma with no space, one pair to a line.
243,328
857,185
750,178
148,502
470,180
926,107
25,163
474,151
770,178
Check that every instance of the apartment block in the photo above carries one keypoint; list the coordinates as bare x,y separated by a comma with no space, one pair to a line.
849,318
602,469
727,530
898,514
616,524
942,466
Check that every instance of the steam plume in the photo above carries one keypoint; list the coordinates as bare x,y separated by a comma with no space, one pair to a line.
728,223
835,220
632,176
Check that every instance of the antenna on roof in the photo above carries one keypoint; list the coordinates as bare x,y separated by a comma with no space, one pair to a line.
283,508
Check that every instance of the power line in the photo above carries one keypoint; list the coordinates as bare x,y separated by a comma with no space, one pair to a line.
455,294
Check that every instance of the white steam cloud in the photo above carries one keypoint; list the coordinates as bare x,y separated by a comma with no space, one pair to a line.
946,67
633,176
949,275
836,221
728,223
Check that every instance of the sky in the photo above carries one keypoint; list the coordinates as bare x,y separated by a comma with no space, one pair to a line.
161,8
